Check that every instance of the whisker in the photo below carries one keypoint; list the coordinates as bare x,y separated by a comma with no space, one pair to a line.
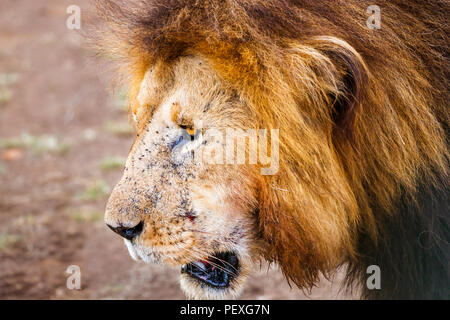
220,267
194,255
199,231
223,261
202,257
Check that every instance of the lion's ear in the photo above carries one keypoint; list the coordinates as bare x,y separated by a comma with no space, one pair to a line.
351,75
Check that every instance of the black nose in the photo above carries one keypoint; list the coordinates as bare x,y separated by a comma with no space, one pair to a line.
128,233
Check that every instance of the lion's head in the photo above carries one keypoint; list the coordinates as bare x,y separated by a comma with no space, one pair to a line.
175,208
311,98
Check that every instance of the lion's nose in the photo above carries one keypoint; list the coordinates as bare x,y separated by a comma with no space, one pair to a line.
127,233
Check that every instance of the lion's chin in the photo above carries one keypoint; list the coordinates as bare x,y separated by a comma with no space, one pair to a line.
196,290
219,277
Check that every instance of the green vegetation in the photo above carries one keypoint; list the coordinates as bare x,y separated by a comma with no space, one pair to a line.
112,163
7,240
37,144
95,190
112,288
5,95
27,220
120,128
9,78
87,215
6,80
121,99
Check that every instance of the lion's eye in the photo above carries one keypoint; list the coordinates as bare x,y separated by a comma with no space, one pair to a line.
189,134
192,132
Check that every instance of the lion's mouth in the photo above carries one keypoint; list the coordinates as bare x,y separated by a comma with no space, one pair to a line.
217,271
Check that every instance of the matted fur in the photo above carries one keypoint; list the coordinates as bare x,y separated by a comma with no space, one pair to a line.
363,118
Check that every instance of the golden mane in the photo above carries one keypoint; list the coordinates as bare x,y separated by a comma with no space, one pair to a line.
363,114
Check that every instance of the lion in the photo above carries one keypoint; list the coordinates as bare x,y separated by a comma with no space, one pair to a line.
359,117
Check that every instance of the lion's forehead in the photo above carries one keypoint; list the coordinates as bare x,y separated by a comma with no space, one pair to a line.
190,81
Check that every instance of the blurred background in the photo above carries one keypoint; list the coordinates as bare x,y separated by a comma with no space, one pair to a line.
64,136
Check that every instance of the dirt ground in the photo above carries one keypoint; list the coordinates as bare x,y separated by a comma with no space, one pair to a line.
63,137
